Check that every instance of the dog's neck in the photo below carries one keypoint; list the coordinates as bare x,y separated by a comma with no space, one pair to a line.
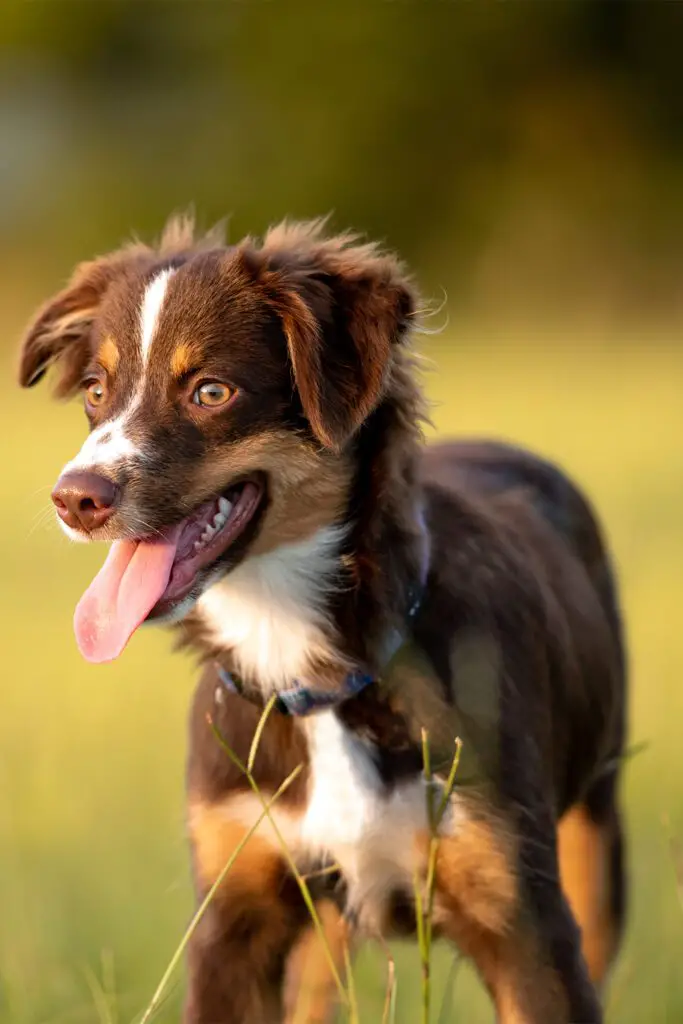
311,611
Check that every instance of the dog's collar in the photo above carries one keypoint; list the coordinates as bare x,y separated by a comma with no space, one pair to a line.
299,701
302,700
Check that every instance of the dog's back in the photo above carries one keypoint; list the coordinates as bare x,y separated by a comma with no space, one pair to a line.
493,468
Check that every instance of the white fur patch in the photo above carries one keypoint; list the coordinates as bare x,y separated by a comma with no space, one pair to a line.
105,446
270,610
370,833
77,535
352,820
150,309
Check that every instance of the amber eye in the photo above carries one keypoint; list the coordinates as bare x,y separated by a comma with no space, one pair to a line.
212,394
95,393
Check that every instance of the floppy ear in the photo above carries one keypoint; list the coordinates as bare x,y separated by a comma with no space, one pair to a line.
343,306
60,331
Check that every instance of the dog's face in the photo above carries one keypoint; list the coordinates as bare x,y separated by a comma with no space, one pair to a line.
224,388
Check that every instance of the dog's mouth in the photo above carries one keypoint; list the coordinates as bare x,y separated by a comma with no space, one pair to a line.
147,578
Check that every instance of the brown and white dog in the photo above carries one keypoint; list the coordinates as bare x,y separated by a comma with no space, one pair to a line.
256,461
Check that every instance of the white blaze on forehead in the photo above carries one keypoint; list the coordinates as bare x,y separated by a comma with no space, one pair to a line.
109,444
150,310
106,445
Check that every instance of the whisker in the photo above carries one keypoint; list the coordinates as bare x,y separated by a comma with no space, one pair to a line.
136,520
41,520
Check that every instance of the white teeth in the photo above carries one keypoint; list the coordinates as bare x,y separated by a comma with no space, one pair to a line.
218,522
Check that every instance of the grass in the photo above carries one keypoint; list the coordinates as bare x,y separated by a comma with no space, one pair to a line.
94,880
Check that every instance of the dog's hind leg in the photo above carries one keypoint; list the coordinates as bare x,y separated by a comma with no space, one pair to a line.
591,853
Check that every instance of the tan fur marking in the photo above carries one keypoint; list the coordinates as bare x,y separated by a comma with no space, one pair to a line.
215,837
182,359
310,991
108,355
474,876
583,855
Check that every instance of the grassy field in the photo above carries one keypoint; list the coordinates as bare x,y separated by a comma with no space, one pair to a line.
94,881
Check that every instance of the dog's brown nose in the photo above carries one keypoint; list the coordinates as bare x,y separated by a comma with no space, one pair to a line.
84,500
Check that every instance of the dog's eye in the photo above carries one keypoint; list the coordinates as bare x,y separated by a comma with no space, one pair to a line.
212,394
95,392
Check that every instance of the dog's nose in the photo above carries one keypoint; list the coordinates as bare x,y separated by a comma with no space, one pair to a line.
84,500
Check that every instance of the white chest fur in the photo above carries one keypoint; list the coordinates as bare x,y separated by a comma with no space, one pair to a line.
352,819
270,611
370,834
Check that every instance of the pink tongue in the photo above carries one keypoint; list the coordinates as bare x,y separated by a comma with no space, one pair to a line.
129,584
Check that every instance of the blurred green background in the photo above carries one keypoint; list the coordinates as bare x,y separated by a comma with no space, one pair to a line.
527,159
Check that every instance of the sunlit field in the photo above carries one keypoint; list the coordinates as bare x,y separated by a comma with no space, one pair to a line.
94,878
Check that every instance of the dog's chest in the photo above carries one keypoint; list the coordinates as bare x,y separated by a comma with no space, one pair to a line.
374,833
345,796
269,614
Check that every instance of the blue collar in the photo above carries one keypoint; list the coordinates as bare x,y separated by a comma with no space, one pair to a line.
301,700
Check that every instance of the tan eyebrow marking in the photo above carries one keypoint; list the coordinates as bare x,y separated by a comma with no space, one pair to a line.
183,359
109,355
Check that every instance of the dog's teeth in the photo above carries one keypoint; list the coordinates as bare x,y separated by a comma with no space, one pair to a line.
219,520
224,507
197,545
208,534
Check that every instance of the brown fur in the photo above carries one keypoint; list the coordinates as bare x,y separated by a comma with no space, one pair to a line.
309,488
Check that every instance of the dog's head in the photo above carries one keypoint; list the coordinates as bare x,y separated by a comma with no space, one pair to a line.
225,388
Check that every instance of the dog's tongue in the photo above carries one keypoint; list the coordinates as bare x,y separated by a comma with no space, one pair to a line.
129,584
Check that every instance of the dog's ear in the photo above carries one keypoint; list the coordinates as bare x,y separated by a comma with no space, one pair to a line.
343,306
60,331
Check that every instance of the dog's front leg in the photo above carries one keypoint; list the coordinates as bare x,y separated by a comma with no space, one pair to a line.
255,957
234,970
247,965
237,956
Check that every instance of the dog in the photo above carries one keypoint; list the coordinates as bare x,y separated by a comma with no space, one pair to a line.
256,461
